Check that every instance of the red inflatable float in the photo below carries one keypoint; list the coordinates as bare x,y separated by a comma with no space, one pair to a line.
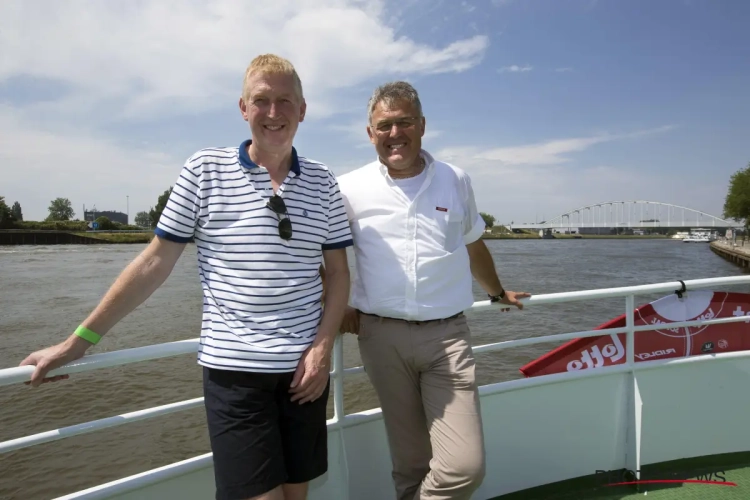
607,350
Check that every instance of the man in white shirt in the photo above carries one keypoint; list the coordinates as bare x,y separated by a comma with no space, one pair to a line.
417,243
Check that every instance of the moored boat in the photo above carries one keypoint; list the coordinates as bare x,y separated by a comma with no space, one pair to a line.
699,236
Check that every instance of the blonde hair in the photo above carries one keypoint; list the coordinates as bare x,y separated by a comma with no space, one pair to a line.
271,64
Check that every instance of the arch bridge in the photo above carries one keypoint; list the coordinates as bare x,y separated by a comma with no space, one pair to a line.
635,214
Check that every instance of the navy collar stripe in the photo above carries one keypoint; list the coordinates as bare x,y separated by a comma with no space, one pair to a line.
246,162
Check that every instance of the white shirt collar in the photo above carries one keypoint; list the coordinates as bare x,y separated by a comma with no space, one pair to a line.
428,163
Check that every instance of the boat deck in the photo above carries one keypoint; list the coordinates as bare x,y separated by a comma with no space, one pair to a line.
725,477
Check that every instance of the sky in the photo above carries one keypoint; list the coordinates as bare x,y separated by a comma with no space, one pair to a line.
549,105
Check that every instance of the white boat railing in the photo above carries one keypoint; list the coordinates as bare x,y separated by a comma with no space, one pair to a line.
126,356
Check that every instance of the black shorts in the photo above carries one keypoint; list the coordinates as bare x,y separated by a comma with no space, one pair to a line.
259,437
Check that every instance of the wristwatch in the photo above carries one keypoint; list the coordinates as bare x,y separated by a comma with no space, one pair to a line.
498,297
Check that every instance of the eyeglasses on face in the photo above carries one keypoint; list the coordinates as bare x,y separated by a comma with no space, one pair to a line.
386,126
276,203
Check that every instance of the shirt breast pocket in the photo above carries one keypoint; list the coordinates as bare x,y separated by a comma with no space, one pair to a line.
453,230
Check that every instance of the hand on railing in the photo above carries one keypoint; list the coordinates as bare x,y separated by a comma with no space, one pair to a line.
53,357
513,299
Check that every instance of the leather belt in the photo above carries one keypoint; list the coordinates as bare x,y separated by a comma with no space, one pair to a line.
415,322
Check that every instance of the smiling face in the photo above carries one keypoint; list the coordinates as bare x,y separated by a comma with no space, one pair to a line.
396,129
273,107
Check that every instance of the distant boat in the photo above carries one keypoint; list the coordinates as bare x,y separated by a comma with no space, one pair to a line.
697,239
699,236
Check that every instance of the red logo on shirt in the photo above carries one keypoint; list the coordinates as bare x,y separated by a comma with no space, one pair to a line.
441,209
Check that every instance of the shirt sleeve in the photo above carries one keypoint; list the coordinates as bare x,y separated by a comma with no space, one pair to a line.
178,219
473,221
339,233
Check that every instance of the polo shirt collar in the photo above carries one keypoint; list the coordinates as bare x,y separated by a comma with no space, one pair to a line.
246,162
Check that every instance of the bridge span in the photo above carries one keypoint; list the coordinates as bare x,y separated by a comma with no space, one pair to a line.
635,214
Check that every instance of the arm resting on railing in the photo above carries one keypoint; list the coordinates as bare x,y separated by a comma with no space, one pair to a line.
142,277
483,270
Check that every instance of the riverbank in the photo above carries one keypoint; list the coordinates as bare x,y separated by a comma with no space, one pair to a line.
43,237
737,253
52,237
62,237
121,238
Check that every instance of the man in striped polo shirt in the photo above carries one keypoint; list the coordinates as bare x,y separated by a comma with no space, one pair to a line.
262,218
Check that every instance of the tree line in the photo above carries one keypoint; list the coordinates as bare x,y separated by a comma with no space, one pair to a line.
736,206
9,215
60,211
737,201
151,217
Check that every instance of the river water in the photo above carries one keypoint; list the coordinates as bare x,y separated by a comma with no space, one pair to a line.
45,292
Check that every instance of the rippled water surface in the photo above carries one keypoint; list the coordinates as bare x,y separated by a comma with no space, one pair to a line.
45,292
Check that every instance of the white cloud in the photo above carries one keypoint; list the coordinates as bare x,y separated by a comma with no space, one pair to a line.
110,62
544,153
515,69
516,181
161,56
40,165
520,193
468,7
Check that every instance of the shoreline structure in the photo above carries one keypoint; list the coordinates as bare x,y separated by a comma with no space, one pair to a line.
63,237
735,252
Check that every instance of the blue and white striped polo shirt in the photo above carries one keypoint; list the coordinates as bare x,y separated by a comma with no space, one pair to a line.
261,294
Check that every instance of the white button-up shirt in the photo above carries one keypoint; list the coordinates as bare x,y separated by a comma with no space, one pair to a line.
410,252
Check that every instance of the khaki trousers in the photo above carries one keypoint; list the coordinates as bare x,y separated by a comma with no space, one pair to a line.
423,374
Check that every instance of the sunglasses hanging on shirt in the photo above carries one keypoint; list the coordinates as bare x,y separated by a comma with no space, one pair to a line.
276,203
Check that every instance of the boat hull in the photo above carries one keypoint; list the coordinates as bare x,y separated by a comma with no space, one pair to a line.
538,431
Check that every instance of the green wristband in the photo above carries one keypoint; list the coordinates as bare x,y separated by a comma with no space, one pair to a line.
87,334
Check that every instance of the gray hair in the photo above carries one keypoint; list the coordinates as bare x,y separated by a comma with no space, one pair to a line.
394,91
